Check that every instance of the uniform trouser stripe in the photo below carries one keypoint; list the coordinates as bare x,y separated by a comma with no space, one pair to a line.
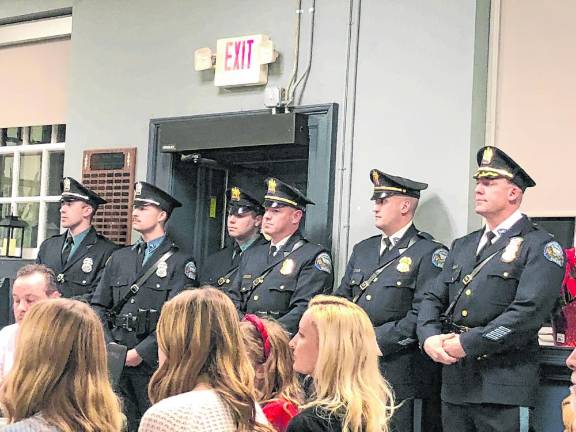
524,419
417,415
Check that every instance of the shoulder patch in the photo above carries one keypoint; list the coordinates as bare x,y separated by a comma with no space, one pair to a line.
553,252
323,263
190,270
439,257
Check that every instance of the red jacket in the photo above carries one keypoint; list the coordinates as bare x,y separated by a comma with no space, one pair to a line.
279,412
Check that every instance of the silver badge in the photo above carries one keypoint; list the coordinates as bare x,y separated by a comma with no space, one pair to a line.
60,278
190,270
138,189
66,185
87,265
161,271
512,250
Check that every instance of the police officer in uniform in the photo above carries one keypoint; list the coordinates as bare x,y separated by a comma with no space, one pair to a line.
481,317
77,256
136,282
386,276
277,280
243,224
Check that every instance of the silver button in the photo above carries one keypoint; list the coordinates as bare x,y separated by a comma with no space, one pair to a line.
157,285
281,287
505,274
255,298
84,282
132,300
368,297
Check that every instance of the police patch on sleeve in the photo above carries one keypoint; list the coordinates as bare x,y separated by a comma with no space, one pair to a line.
190,270
323,263
439,257
553,252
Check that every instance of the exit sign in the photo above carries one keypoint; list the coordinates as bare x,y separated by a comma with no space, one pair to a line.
241,61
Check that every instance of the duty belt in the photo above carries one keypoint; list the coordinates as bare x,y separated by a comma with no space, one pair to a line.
127,322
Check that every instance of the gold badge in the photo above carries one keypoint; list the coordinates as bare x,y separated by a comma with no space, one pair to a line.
512,250
271,186
235,194
487,156
375,177
138,189
288,267
66,184
404,265
87,265
162,269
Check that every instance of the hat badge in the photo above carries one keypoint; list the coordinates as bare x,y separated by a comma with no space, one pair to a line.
488,155
375,177
272,186
66,184
235,194
138,189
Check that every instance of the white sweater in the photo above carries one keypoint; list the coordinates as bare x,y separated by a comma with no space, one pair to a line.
195,411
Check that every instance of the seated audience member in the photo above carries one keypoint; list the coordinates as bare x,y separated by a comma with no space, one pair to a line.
59,381
205,380
336,345
33,283
277,386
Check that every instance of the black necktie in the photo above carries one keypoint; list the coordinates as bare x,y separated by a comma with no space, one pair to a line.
67,248
489,237
141,253
388,244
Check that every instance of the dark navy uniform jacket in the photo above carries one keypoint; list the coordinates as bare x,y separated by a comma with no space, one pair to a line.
79,277
503,307
392,303
219,269
121,272
293,280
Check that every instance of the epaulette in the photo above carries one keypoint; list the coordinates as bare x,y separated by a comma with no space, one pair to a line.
425,235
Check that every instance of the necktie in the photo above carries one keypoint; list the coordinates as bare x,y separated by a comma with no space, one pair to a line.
67,248
273,250
388,243
142,253
489,237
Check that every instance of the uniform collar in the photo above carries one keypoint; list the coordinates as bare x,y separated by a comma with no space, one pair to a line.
395,238
79,238
505,225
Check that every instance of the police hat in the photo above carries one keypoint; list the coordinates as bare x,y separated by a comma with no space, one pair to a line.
386,185
280,194
241,202
494,163
73,190
145,193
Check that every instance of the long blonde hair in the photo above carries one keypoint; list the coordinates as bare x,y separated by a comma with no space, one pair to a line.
347,380
60,370
199,335
278,379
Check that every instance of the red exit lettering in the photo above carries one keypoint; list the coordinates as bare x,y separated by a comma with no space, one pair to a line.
238,55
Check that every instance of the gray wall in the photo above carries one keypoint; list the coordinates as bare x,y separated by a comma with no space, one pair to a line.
409,76
15,8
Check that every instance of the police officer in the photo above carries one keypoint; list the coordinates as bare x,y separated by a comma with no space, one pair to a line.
481,317
77,256
136,282
243,224
277,280
386,276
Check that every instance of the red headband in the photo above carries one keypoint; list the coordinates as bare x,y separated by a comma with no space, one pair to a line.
257,322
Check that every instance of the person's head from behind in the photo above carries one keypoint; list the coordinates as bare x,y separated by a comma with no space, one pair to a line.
336,345
60,370
268,348
34,282
199,342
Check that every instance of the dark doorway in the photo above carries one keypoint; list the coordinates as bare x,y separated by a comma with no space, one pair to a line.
198,174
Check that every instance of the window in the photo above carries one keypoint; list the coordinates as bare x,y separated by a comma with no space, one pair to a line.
31,167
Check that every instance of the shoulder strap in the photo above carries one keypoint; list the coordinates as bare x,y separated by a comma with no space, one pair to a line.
364,285
135,287
266,272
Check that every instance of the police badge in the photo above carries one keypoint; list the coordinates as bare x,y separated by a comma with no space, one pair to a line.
288,267
404,265
138,191
553,252
323,263
87,265
190,270
162,269
512,250
439,257
66,185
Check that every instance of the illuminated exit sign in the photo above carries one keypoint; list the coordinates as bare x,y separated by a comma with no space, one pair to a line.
243,61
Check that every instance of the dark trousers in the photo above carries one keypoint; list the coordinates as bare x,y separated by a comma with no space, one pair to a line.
417,415
134,390
486,418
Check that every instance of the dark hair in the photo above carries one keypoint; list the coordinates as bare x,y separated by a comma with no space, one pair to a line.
45,271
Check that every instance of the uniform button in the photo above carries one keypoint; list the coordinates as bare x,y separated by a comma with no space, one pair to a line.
157,285
243,289
464,313
84,282
468,292
255,298
399,283
505,274
368,297
281,287
132,300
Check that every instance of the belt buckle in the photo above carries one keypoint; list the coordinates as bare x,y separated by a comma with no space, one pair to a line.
364,285
134,289
467,279
221,281
257,281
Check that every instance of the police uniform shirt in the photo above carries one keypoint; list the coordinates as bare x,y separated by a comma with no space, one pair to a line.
502,309
79,276
499,230
392,300
294,278
125,268
219,269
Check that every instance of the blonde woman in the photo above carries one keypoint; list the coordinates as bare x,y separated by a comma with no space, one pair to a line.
205,379
59,381
277,387
336,345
